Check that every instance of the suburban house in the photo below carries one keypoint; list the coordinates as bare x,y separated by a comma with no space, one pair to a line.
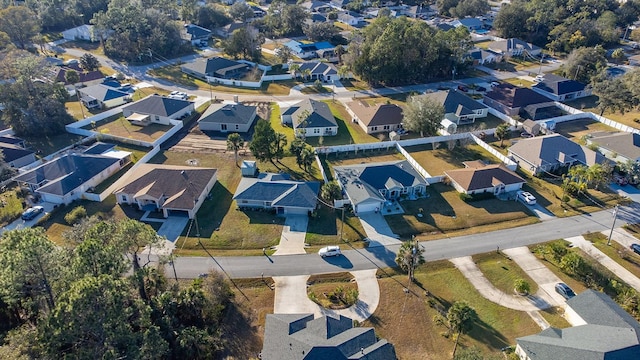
511,100
350,18
478,178
559,88
300,336
378,118
59,75
228,29
277,192
157,109
514,47
82,32
458,107
369,186
617,146
471,24
601,330
101,96
227,117
310,118
316,6
173,190
549,153
482,56
320,49
216,67
14,153
196,34
67,178
319,71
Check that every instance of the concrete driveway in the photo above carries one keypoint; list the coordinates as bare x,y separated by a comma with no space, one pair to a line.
294,232
542,213
377,229
21,224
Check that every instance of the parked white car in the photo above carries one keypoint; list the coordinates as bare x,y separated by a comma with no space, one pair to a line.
178,95
329,251
526,197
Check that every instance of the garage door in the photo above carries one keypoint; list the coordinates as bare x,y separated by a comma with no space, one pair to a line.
296,211
367,207
181,213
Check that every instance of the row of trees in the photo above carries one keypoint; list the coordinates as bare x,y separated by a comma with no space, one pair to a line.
462,8
565,25
617,93
78,302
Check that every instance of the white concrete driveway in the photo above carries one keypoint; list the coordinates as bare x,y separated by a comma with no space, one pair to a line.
294,232
21,224
377,229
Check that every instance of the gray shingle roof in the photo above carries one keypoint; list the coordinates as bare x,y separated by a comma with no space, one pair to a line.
229,114
158,105
625,144
66,173
452,100
215,66
513,96
319,68
559,85
278,191
289,337
554,149
13,152
102,92
197,31
319,114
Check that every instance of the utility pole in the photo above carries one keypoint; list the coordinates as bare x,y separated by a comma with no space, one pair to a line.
342,223
173,264
613,225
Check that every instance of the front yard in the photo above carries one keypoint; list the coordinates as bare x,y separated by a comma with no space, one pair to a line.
324,229
117,125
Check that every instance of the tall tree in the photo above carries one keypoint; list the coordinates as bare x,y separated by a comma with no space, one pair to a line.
331,191
502,132
307,157
244,42
241,11
20,23
584,63
235,142
321,31
261,144
460,317
89,62
409,257
280,144
422,114
614,94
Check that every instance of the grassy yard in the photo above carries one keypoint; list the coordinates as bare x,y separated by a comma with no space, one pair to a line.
142,93
590,104
117,125
444,212
502,272
45,145
348,133
436,162
355,84
519,82
482,44
577,129
407,319
324,229
618,253
489,122
321,286
289,166
79,111
10,206
276,123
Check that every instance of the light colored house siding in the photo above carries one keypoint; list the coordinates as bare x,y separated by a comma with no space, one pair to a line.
316,132
381,128
23,161
210,126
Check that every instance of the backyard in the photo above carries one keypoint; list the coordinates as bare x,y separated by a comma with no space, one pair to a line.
437,161
577,129
45,145
590,104
117,125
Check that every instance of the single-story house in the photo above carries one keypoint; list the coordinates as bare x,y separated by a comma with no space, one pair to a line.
552,152
319,71
514,47
174,190
378,118
228,29
369,186
16,155
458,107
67,178
322,49
277,192
196,34
310,118
478,178
617,146
350,18
59,75
559,88
158,110
511,100
217,67
228,118
316,6
470,23
101,96
482,56
82,32
300,336
601,330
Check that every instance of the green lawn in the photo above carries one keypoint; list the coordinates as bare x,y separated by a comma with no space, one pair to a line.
502,272
489,122
618,253
436,162
355,84
519,82
45,145
276,123
444,212
577,129
590,104
324,229
10,206
407,319
348,133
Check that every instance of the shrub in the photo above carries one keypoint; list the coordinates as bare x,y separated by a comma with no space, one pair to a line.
75,215
465,197
521,286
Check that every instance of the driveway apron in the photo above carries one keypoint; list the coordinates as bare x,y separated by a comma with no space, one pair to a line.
377,229
294,232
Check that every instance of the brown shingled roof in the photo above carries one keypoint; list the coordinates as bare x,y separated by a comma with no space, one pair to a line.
475,178
376,115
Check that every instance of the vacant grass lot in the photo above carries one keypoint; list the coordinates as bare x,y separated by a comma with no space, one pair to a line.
577,129
324,229
117,125
502,272
617,252
444,212
590,104
45,145
407,321
276,123
436,162
10,206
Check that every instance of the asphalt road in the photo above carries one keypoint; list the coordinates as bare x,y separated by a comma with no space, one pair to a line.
370,258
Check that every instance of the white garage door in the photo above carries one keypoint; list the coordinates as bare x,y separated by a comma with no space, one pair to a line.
368,207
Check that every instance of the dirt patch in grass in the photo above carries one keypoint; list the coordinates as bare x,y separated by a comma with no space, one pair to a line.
333,291
502,272
119,126
444,212
437,161
577,129
407,319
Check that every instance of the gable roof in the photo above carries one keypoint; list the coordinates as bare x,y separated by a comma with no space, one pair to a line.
196,31
468,22
319,114
554,149
13,152
514,97
623,143
60,73
509,45
378,114
299,336
99,148
559,85
610,333
455,102
66,173
179,186
11,140
363,182
229,114
102,92
475,177
215,66
158,105
319,68
278,190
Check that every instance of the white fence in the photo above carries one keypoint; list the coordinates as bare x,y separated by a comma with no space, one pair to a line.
277,77
510,164
506,118
602,119
413,162
249,84
324,176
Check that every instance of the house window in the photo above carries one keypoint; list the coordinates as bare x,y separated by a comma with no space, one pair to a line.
316,131
223,127
374,128
386,127
237,127
157,118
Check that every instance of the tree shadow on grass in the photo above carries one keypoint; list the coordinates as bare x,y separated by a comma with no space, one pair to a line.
241,339
486,334
213,209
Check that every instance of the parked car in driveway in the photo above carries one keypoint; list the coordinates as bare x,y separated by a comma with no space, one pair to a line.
463,88
526,197
564,290
635,248
329,251
32,212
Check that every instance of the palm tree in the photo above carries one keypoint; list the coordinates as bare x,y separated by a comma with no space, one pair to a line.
306,158
72,77
409,257
460,318
235,143
331,191
294,68
306,73
502,131
280,143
